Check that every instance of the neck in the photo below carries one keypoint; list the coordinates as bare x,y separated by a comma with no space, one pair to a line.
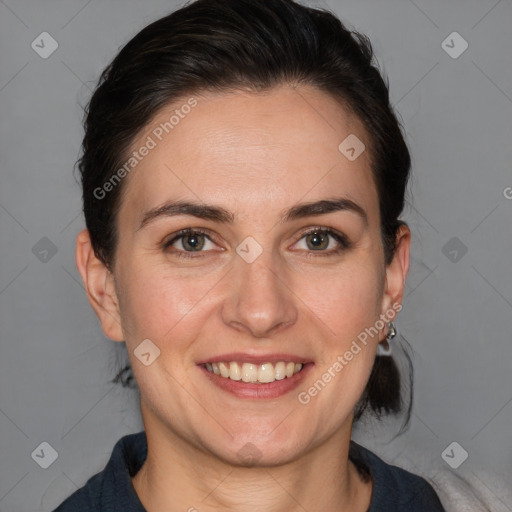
178,476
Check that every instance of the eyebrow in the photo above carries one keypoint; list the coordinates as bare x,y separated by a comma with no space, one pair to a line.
221,215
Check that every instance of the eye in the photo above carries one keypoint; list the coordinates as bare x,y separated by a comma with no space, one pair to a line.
320,239
189,241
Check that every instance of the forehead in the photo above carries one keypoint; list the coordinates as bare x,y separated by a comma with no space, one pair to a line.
250,149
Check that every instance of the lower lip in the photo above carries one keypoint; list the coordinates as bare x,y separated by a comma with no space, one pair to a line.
270,390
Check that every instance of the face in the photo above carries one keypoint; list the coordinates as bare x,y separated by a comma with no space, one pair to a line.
283,264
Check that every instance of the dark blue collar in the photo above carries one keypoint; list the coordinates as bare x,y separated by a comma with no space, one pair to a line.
111,490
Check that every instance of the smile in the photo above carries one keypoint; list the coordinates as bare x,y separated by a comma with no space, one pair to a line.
255,373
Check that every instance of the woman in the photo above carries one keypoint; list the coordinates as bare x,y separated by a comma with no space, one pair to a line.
243,176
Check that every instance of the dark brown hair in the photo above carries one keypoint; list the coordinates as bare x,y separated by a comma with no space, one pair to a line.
222,45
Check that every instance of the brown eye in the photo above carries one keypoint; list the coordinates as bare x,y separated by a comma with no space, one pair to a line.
317,240
188,241
324,241
194,242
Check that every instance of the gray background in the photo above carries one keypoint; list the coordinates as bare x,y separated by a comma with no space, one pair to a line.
56,364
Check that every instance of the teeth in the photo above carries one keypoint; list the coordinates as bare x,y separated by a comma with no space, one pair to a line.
249,372
224,370
235,372
280,370
266,373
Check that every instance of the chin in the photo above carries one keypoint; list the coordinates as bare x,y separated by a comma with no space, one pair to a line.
267,449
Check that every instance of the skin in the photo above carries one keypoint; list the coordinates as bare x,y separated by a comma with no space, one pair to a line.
256,155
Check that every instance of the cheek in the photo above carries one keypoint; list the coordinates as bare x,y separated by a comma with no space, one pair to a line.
346,300
348,305
155,301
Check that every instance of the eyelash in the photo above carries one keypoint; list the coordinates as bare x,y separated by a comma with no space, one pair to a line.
341,239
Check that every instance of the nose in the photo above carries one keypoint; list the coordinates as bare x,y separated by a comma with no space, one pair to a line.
260,300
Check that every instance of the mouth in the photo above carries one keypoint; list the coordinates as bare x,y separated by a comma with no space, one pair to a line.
255,373
256,377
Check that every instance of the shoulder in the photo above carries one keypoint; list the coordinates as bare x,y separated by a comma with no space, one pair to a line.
84,499
394,488
111,489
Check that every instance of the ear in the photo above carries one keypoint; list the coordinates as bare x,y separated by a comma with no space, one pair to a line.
99,286
396,272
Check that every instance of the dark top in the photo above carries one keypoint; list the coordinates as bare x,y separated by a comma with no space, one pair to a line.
111,490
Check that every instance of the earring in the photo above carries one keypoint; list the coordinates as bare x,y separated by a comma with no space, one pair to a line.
384,348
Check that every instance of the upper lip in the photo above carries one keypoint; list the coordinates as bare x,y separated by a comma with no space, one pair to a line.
255,358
